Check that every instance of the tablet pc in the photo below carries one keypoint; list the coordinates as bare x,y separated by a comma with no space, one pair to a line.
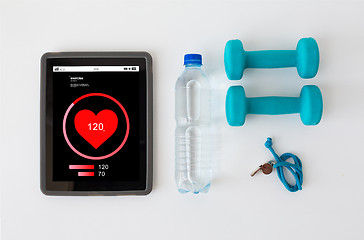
96,123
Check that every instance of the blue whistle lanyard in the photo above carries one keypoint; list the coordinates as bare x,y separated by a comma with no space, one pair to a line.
295,169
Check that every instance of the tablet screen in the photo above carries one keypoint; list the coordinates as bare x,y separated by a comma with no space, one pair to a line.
96,124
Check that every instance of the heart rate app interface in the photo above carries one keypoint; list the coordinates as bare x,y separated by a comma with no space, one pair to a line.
98,124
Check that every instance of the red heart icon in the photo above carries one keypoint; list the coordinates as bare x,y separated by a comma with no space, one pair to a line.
96,129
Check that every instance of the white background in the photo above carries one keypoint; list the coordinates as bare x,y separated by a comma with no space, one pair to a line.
237,206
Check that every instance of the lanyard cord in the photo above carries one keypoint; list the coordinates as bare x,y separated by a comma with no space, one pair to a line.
295,169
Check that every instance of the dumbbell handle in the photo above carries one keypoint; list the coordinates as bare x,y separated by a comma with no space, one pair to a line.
271,59
273,105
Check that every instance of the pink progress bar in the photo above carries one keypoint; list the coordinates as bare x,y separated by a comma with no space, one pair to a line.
86,174
81,166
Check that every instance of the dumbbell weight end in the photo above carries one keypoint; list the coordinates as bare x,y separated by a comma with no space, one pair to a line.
311,105
308,58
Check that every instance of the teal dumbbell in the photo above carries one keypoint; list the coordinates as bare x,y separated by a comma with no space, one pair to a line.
305,58
309,105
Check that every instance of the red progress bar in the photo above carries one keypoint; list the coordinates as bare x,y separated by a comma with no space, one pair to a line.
86,174
81,166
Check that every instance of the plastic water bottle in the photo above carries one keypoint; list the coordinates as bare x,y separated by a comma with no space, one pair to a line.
193,171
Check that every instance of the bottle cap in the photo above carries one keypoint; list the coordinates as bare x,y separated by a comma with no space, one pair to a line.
193,59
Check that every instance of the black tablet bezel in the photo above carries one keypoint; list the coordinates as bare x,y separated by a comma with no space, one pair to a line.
50,187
